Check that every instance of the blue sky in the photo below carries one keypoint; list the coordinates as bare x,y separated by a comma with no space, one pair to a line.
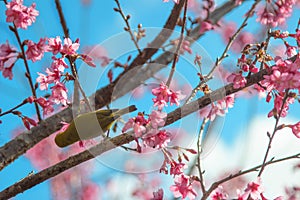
93,25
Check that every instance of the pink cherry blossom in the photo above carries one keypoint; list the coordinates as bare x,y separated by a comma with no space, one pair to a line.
237,79
88,60
6,50
59,94
156,138
254,189
157,118
35,51
219,108
89,191
46,105
296,129
219,194
227,29
206,26
290,50
7,72
43,81
55,45
278,105
275,13
185,46
19,14
8,56
183,188
177,168
164,95
138,124
242,39
97,53
285,75
58,64
158,195
70,48
175,97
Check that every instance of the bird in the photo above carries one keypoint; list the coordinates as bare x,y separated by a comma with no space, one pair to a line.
90,125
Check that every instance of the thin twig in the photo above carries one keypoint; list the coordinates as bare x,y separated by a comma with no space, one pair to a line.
14,108
128,28
177,52
28,74
199,149
271,137
224,54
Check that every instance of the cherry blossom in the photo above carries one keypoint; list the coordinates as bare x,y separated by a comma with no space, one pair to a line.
88,60
7,72
70,48
275,13
8,57
46,105
35,51
138,124
284,75
89,191
58,64
53,76
43,81
278,106
155,138
97,53
157,118
206,26
28,121
164,95
185,46
254,189
59,94
219,194
183,188
237,79
6,52
19,14
177,168
158,195
55,45
290,50
296,129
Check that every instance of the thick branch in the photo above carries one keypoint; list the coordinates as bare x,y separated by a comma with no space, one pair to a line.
107,145
16,147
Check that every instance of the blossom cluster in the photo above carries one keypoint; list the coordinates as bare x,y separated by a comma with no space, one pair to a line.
275,13
8,57
253,190
56,73
151,135
22,16
148,129
219,107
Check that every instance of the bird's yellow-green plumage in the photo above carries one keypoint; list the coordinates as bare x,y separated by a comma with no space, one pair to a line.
90,125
